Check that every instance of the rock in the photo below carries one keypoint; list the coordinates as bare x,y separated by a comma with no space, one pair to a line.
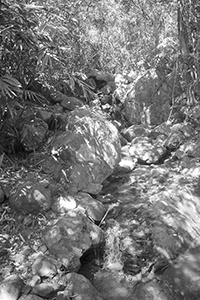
92,146
52,167
93,208
184,276
34,280
109,88
111,286
33,134
63,203
146,150
44,267
123,141
174,140
30,197
45,115
11,287
134,131
30,297
70,103
70,236
80,286
46,290
148,101
126,165
154,291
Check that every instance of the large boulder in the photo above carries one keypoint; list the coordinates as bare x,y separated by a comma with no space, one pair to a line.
91,145
148,101
70,236
79,287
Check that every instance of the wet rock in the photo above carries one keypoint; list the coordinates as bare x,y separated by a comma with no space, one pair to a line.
44,267
79,286
30,197
146,150
69,237
92,146
11,287
184,275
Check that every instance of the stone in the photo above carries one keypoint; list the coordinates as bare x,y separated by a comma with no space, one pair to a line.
93,208
44,267
70,236
92,146
148,100
70,103
174,140
34,280
134,131
11,287
63,203
46,290
30,197
126,165
145,150
184,275
80,286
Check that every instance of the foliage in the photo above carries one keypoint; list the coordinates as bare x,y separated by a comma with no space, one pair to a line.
189,32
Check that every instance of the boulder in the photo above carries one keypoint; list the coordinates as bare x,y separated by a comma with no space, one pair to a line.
11,287
80,286
91,145
46,290
30,197
147,150
94,209
134,131
70,236
148,101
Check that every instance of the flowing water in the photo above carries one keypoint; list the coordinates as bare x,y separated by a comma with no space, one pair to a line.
141,255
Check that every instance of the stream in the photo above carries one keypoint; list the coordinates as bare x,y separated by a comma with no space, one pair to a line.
146,237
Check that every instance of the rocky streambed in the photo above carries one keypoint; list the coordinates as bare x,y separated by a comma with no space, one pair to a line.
89,219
